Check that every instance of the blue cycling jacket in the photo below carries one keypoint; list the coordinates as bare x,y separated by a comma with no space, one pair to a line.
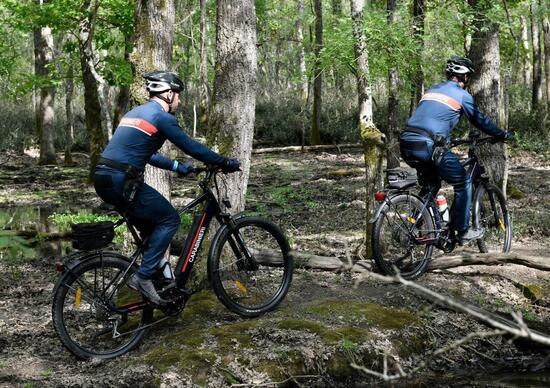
142,132
441,108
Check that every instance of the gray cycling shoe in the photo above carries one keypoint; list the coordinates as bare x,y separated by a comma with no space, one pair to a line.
469,235
147,289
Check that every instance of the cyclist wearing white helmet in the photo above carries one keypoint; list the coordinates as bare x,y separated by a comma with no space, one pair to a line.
118,178
429,129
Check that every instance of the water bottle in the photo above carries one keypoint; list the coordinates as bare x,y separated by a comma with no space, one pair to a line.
441,203
166,269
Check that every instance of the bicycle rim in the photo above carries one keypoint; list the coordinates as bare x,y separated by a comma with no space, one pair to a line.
252,269
492,215
396,234
83,309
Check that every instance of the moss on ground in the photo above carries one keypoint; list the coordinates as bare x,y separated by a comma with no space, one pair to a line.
364,313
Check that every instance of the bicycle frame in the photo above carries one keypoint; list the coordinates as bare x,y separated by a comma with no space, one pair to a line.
192,245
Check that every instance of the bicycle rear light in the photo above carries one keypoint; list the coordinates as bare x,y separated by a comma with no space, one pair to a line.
380,196
59,267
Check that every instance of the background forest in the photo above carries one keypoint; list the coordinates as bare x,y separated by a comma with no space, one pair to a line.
41,52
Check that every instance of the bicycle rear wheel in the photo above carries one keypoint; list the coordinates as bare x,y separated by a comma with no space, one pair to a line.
250,266
399,237
491,214
84,308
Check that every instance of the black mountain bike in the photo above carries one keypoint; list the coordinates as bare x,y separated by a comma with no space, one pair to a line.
96,314
407,227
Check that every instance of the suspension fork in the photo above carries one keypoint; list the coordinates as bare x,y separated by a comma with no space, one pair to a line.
239,247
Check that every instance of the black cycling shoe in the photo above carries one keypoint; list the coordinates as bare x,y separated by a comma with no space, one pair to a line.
147,289
469,235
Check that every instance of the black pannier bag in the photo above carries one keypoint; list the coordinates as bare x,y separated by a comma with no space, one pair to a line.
400,178
90,236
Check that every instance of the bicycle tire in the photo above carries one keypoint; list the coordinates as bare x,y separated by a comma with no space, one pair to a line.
250,288
75,300
491,213
394,249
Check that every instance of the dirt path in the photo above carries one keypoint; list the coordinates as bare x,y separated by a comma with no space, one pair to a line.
327,320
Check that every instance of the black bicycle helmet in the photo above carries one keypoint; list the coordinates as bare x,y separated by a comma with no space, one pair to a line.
161,81
459,66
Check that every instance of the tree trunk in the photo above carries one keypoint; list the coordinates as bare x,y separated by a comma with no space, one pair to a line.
536,96
546,29
234,100
338,78
303,85
154,38
204,95
486,90
393,102
45,114
69,126
527,62
418,35
123,98
92,107
315,133
371,137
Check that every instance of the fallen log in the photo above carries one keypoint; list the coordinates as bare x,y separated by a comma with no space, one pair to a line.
35,234
315,148
310,261
464,259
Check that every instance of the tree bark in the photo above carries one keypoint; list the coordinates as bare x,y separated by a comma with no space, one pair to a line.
536,96
527,62
546,29
231,126
92,106
69,125
303,83
204,94
315,133
153,39
371,137
418,35
392,153
486,90
45,114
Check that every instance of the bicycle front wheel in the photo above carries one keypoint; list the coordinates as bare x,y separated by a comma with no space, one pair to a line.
250,266
94,313
401,237
491,214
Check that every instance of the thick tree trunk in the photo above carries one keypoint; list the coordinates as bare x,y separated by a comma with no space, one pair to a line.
232,117
546,29
45,114
418,35
92,107
69,126
486,89
154,38
371,137
392,154
526,53
536,96
204,95
315,132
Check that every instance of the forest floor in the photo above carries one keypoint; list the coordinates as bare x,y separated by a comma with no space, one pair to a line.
327,321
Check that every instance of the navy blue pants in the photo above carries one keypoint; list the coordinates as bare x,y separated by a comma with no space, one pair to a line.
450,170
150,213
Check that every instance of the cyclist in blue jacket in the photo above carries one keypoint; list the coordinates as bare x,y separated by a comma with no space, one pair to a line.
429,129
118,178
